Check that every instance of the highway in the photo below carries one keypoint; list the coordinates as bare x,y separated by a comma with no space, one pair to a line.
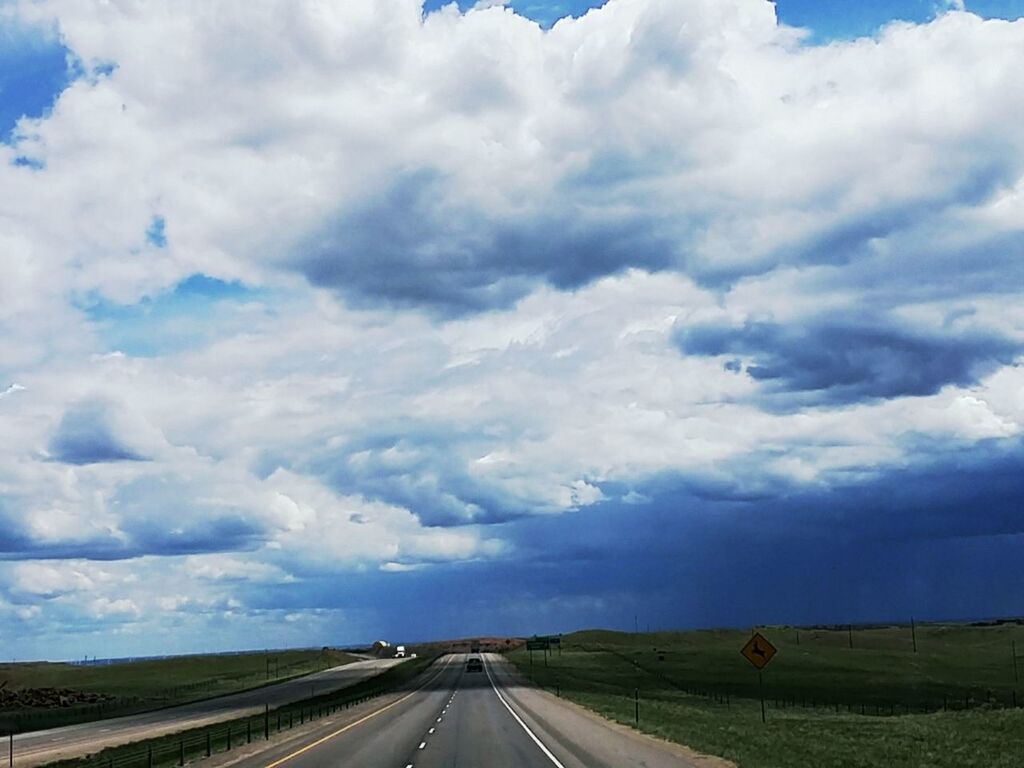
41,747
460,719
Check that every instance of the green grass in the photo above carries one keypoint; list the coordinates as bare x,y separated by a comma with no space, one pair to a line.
704,694
192,744
151,684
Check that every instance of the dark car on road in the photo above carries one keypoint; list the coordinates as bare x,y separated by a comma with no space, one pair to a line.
474,665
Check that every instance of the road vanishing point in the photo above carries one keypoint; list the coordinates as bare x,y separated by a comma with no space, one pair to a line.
448,717
454,718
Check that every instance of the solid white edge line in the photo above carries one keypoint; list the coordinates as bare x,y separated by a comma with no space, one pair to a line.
524,726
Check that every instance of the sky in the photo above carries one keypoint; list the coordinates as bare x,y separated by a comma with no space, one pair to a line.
328,322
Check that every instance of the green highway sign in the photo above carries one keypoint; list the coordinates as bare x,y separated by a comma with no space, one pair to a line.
538,644
555,639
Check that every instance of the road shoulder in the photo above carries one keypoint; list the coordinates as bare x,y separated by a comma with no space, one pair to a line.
540,705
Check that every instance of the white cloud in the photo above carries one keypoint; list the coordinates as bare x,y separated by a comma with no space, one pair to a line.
560,202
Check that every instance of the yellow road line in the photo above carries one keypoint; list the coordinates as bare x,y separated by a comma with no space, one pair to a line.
361,720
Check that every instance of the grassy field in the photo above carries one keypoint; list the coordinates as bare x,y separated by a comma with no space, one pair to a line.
150,684
193,745
879,703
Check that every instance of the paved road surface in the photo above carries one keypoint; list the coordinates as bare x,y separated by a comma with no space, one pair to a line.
462,719
44,746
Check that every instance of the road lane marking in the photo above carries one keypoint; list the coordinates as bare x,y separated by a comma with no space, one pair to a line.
361,720
524,726
423,745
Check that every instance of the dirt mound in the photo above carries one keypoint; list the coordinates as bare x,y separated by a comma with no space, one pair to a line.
48,698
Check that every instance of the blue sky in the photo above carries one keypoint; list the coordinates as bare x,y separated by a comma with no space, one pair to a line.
667,314
827,19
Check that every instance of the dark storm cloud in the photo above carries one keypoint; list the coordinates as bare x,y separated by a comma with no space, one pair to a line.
839,362
221,532
409,247
937,541
85,435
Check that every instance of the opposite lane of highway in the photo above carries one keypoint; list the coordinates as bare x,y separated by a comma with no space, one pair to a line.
40,747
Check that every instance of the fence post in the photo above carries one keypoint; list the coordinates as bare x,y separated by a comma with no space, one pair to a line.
149,758
10,750
266,722
229,737
248,730
181,751
636,703
208,745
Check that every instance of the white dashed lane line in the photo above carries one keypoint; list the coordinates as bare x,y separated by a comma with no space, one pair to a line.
423,744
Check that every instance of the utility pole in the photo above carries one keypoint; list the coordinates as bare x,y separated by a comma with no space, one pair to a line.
913,633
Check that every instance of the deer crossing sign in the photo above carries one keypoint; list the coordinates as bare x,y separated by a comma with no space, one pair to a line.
758,651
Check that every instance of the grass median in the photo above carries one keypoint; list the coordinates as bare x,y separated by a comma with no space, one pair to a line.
195,744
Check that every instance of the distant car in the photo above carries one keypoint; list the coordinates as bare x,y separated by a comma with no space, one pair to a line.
474,665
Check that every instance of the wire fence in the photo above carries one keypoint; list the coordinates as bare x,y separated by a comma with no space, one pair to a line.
181,748
784,695
121,706
223,737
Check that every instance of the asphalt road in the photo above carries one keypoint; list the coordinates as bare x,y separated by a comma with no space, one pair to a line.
460,719
44,746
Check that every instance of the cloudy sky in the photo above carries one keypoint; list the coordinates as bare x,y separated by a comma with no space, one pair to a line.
322,321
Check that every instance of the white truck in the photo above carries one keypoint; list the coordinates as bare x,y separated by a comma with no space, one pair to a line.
400,652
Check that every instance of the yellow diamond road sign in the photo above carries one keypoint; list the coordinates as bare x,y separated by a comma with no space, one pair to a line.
758,651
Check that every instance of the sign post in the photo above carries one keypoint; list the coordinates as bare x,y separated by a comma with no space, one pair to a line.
758,651
537,644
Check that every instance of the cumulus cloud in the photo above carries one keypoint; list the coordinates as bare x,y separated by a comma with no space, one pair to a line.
461,158
347,289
